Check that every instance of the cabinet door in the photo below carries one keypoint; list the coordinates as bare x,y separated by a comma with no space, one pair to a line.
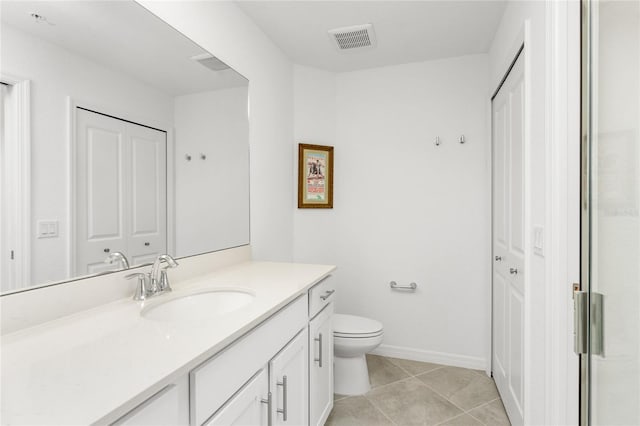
246,407
289,382
321,366
170,406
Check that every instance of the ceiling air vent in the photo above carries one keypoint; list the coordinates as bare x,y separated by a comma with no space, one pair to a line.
210,61
355,37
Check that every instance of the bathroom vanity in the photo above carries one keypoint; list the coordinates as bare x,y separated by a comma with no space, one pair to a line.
261,359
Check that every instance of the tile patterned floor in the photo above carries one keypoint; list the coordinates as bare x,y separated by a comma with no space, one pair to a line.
419,393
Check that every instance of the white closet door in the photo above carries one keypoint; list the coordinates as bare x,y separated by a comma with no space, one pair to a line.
508,242
101,202
147,233
121,192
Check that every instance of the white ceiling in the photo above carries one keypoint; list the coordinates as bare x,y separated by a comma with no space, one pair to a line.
406,31
124,36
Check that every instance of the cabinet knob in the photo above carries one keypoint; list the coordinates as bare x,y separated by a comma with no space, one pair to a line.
107,250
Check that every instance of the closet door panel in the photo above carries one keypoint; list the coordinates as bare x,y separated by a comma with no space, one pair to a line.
101,200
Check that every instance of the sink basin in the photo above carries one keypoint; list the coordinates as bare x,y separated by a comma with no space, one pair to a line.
198,306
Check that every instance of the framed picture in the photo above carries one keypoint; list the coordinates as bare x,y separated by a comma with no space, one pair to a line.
315,176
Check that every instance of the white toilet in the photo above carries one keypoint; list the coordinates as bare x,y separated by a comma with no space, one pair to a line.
353,337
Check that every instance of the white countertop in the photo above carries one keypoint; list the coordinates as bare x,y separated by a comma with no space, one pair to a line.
93,366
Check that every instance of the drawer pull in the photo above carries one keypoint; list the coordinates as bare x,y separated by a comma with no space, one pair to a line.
283,383
326,294
268,402
319,340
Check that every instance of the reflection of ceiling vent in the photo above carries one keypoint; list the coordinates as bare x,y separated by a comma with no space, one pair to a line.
211,62
356,37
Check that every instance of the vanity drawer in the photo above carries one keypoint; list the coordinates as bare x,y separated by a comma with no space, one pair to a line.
321,295
213,382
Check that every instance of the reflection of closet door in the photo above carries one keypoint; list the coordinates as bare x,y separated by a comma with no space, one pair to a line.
100,186
120,192
508,242
147,224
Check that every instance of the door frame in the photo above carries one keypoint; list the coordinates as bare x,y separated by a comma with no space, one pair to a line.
563,189
72,106
20,190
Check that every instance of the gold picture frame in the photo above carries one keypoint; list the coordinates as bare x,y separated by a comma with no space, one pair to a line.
315,176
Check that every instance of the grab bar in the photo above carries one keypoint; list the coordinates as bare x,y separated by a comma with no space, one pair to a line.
412,286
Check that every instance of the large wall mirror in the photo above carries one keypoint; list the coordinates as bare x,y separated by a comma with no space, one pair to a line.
121,139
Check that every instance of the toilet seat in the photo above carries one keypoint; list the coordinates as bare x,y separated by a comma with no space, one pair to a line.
355,327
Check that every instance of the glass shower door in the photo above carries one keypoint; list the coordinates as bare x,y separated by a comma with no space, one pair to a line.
610,388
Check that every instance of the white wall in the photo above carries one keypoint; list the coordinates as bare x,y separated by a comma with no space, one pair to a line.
508,38
404,209
211,191
55,74
223,29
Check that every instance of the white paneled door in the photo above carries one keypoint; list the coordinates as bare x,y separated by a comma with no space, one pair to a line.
121,192
508,241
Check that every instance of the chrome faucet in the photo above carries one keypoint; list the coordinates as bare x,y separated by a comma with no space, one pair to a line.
159,280
117,256
154,282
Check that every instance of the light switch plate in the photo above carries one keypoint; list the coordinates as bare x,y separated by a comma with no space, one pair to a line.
47,229
538,239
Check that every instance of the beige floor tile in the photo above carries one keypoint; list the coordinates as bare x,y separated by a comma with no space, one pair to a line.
409,402
465,388
463,420
491,414
337,396
356,411
414,367
382,371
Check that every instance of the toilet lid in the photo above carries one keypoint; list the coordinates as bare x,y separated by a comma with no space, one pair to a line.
354,325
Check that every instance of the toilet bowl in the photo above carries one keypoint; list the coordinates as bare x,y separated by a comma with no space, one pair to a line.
353,337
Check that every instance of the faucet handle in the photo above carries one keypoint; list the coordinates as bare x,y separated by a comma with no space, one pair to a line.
141,287
163,284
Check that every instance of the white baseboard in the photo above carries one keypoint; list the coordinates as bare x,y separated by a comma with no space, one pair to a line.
454,360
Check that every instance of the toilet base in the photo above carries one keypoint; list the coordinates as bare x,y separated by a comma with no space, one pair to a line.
351,375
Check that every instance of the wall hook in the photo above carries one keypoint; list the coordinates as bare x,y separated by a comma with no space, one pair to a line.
462,140
437,142
187,157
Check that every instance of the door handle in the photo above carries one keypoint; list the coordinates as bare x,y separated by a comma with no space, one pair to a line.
319,340
498,258
513,271
283,383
